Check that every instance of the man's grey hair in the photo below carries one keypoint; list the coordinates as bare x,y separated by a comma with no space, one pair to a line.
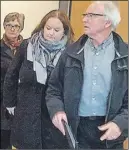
111,11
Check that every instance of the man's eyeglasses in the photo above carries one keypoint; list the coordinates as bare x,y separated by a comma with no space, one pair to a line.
16,27
91,15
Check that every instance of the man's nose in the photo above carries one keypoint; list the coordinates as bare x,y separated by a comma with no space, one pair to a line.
85,19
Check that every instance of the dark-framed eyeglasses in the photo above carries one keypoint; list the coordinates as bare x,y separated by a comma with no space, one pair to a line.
91,15
16,27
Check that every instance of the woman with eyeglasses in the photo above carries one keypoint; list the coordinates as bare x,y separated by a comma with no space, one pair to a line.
26,83
13,25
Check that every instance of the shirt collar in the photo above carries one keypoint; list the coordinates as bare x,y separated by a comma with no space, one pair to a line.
102,46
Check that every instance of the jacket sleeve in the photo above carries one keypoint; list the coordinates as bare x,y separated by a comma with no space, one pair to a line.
54,92
11,79
4,63
121,118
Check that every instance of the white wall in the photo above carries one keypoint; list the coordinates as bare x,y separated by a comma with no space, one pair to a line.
33,11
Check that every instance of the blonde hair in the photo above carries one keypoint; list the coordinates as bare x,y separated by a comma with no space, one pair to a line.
15,16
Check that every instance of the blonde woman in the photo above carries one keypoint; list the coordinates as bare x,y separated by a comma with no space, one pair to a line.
13,25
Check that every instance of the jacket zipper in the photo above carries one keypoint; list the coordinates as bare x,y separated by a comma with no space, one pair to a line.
109,101
117,59
109,104
79,101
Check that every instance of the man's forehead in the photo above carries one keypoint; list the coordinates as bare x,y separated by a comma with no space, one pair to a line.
95,8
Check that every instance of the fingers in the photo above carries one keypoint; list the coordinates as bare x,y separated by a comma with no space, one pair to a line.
108,136
112,131
103,127
61,126
57,121
65,118
111,137
105,136
10,110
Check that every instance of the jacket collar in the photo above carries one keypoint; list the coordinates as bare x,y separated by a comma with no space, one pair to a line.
76,49
120,46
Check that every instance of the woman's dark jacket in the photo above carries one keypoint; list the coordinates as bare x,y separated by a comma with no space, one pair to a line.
65,86
22,90
6,55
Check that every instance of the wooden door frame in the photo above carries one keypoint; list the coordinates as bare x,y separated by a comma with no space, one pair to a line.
65,6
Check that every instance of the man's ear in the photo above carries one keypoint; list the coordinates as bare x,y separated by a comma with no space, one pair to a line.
108,23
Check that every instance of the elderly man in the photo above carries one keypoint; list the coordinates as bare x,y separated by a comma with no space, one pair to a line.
88,88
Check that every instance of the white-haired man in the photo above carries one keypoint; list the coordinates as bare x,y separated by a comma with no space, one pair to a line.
88,88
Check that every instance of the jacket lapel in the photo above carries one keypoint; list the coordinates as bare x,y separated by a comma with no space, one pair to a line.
76,50
120,46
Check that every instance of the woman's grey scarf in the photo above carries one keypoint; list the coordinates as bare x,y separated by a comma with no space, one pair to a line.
44,53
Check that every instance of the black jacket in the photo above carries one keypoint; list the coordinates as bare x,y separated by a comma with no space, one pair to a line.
65,86
6,55
32,127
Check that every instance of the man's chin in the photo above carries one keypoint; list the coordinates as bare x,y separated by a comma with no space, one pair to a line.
86,32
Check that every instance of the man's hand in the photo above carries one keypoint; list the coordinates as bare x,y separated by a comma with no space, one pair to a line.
11,110
57,121
112,131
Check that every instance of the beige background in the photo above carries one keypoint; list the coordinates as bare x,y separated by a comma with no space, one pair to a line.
33,11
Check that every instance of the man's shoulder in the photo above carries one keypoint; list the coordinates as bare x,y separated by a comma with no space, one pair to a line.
77,45
121,45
